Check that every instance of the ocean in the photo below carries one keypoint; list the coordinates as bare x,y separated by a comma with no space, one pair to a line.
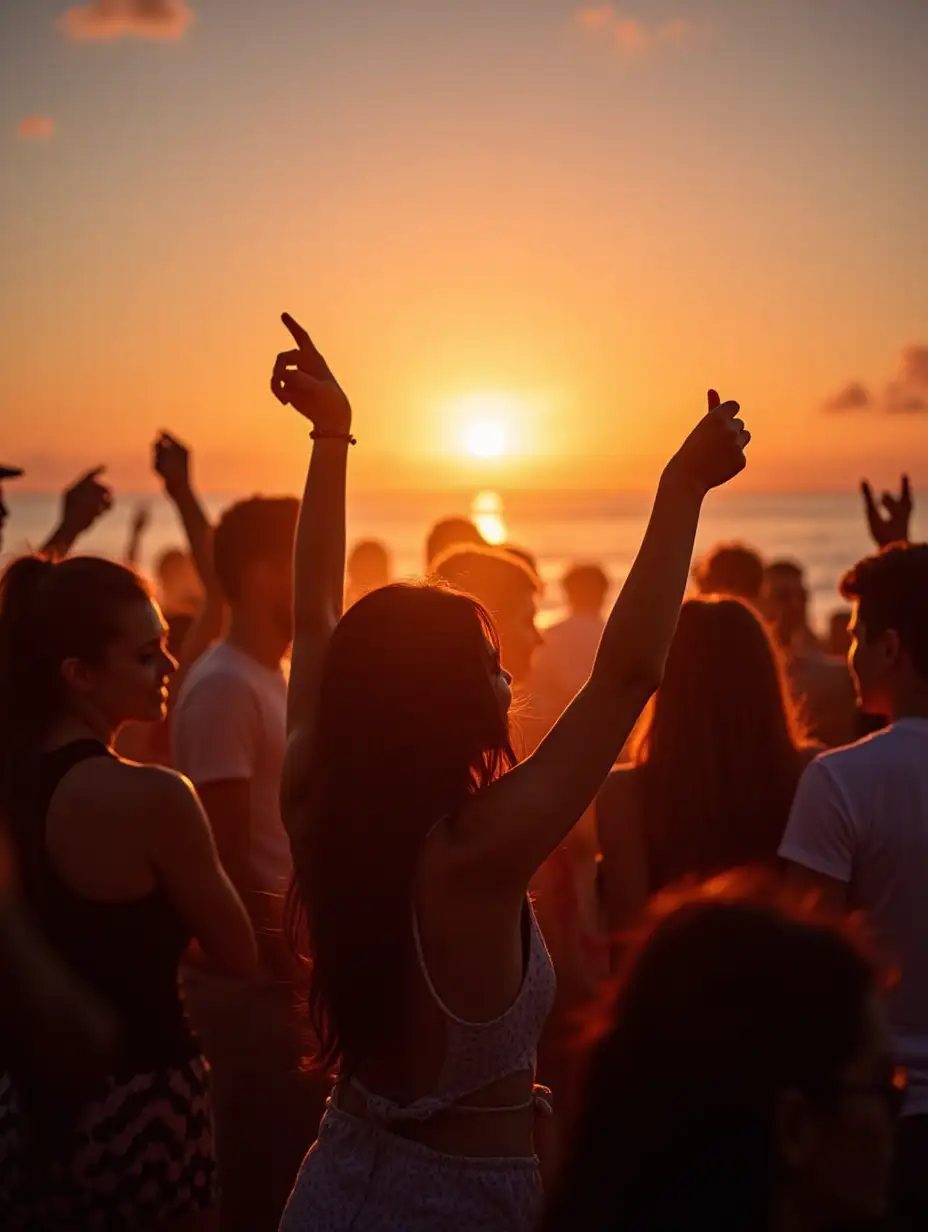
825,532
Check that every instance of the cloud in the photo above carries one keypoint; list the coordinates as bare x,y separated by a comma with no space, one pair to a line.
905,393
629,35
35,128
113,19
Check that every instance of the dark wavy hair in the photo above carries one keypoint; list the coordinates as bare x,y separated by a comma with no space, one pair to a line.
732,995
409,725
49,612
718,754
891,590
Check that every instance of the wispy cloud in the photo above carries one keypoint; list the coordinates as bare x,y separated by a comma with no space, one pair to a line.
630,35
905,393
35,128
115,19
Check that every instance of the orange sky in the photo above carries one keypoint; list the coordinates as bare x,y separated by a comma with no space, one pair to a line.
595,218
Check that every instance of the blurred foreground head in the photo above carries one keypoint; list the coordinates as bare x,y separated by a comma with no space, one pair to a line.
744,1079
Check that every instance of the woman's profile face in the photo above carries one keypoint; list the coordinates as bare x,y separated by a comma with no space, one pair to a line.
500,679
842,1168
131,682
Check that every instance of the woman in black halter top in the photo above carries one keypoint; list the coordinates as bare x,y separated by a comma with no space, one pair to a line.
119,872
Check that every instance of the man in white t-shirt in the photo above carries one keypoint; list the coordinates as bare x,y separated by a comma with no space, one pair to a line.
229,738
858,831
564,660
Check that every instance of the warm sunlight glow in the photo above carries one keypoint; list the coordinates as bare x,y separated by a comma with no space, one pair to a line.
487,511
486,439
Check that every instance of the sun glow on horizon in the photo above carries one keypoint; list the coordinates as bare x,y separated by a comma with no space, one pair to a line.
489,517
486,439
484,422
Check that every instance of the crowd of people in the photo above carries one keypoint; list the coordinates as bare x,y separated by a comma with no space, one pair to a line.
331,901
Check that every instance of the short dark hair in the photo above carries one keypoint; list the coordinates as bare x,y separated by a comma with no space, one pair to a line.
786,568
891,591
449,533
494,576
261,529
731,569
369,561
585,586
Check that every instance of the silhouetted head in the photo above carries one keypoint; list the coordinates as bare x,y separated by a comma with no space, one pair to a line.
81,637
253,556
744,1080
368,569
718,746
528,558
731,569
508,589
585,587
412,719
180,590
889,627
449,533
6,472
785,600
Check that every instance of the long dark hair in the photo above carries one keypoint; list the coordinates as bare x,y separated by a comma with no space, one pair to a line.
731,997
49,612
718,757
409,725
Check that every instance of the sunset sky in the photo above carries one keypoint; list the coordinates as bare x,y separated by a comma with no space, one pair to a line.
564,220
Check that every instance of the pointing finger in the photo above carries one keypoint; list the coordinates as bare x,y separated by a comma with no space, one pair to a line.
300,336
714,400
906,490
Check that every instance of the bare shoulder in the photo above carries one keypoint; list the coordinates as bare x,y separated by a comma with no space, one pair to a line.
114,785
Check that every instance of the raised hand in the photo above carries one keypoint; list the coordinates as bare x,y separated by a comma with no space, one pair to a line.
303,379
170,459
713,452
893,525
86,501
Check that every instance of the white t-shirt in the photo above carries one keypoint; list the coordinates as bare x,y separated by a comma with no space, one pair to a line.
230,723
561,667
861,816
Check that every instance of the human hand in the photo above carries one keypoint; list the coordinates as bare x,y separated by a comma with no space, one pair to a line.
713,452
893,527
303,379
84,502
170,459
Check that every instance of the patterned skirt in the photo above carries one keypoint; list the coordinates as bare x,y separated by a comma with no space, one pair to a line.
141,1153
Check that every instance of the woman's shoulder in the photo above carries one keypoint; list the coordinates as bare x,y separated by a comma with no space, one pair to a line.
113,783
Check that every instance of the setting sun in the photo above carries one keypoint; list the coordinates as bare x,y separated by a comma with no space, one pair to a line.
486,439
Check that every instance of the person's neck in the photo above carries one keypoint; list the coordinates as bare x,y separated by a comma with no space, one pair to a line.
254,635
910,703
